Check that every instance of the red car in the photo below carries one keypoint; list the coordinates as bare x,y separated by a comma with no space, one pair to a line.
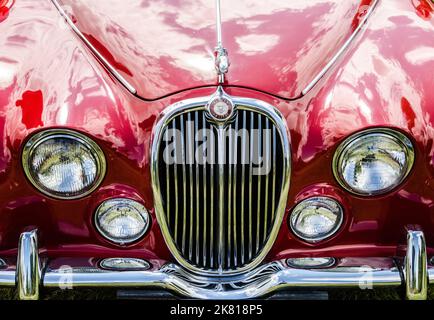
215,150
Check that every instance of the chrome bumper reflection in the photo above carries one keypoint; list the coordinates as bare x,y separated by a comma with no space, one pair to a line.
412,272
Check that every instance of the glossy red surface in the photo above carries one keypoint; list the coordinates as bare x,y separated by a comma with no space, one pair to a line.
162,46
48,78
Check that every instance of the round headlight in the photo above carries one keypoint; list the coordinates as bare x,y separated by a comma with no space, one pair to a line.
122,220
316,219
63,164
373,162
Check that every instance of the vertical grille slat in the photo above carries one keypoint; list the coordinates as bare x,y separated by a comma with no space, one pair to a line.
221,192
167,178
229,197
267,166
243,179
196,184
205,198
184,187
273,197
176,183
190,183
259,191
250,187
234,193
211,246
220,209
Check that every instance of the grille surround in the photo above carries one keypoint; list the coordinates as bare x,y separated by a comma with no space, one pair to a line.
200,104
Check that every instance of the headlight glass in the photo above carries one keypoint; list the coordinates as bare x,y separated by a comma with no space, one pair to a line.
373,162
316,219
310,263
122,220
63,163
124,264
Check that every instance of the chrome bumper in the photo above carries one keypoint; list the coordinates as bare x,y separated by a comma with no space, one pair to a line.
412,271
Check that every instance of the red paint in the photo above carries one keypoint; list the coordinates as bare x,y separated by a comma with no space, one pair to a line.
165,47
5,7
4,13
31,106
381,81
424,8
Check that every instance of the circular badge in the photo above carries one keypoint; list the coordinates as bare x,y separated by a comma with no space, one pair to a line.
221,108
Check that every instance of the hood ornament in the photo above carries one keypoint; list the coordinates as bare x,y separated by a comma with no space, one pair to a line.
220,53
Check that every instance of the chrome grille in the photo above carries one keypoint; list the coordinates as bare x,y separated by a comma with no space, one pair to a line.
220,216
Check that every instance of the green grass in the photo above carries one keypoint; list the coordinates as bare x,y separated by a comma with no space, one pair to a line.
110,294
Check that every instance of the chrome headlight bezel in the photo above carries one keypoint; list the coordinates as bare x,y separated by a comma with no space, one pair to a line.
105,207
398,137
327,202
43,136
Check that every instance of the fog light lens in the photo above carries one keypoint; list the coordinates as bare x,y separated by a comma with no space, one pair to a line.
122,220
316,219
310,263
125,264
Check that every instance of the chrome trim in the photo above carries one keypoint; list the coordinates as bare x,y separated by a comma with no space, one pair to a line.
176,184
234,192
250,189
230,200
399,137
415,271
47,134
318,263
331,233
256,283
221,213
220,95
101,58
273,194
243,188
127,202
196,129
184,183
28,266
242,105
129,264
190,182
205,197
268,152
220,54
341,51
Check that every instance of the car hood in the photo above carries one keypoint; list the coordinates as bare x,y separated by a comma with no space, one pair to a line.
161,47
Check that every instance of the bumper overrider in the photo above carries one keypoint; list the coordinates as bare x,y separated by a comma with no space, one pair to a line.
412,271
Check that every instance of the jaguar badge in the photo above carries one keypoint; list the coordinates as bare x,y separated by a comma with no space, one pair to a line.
220,107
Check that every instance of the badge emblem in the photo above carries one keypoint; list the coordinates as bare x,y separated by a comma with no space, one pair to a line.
221,107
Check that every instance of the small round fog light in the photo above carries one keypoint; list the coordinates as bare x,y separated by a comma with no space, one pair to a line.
122,220
316,219
125,264
310,263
